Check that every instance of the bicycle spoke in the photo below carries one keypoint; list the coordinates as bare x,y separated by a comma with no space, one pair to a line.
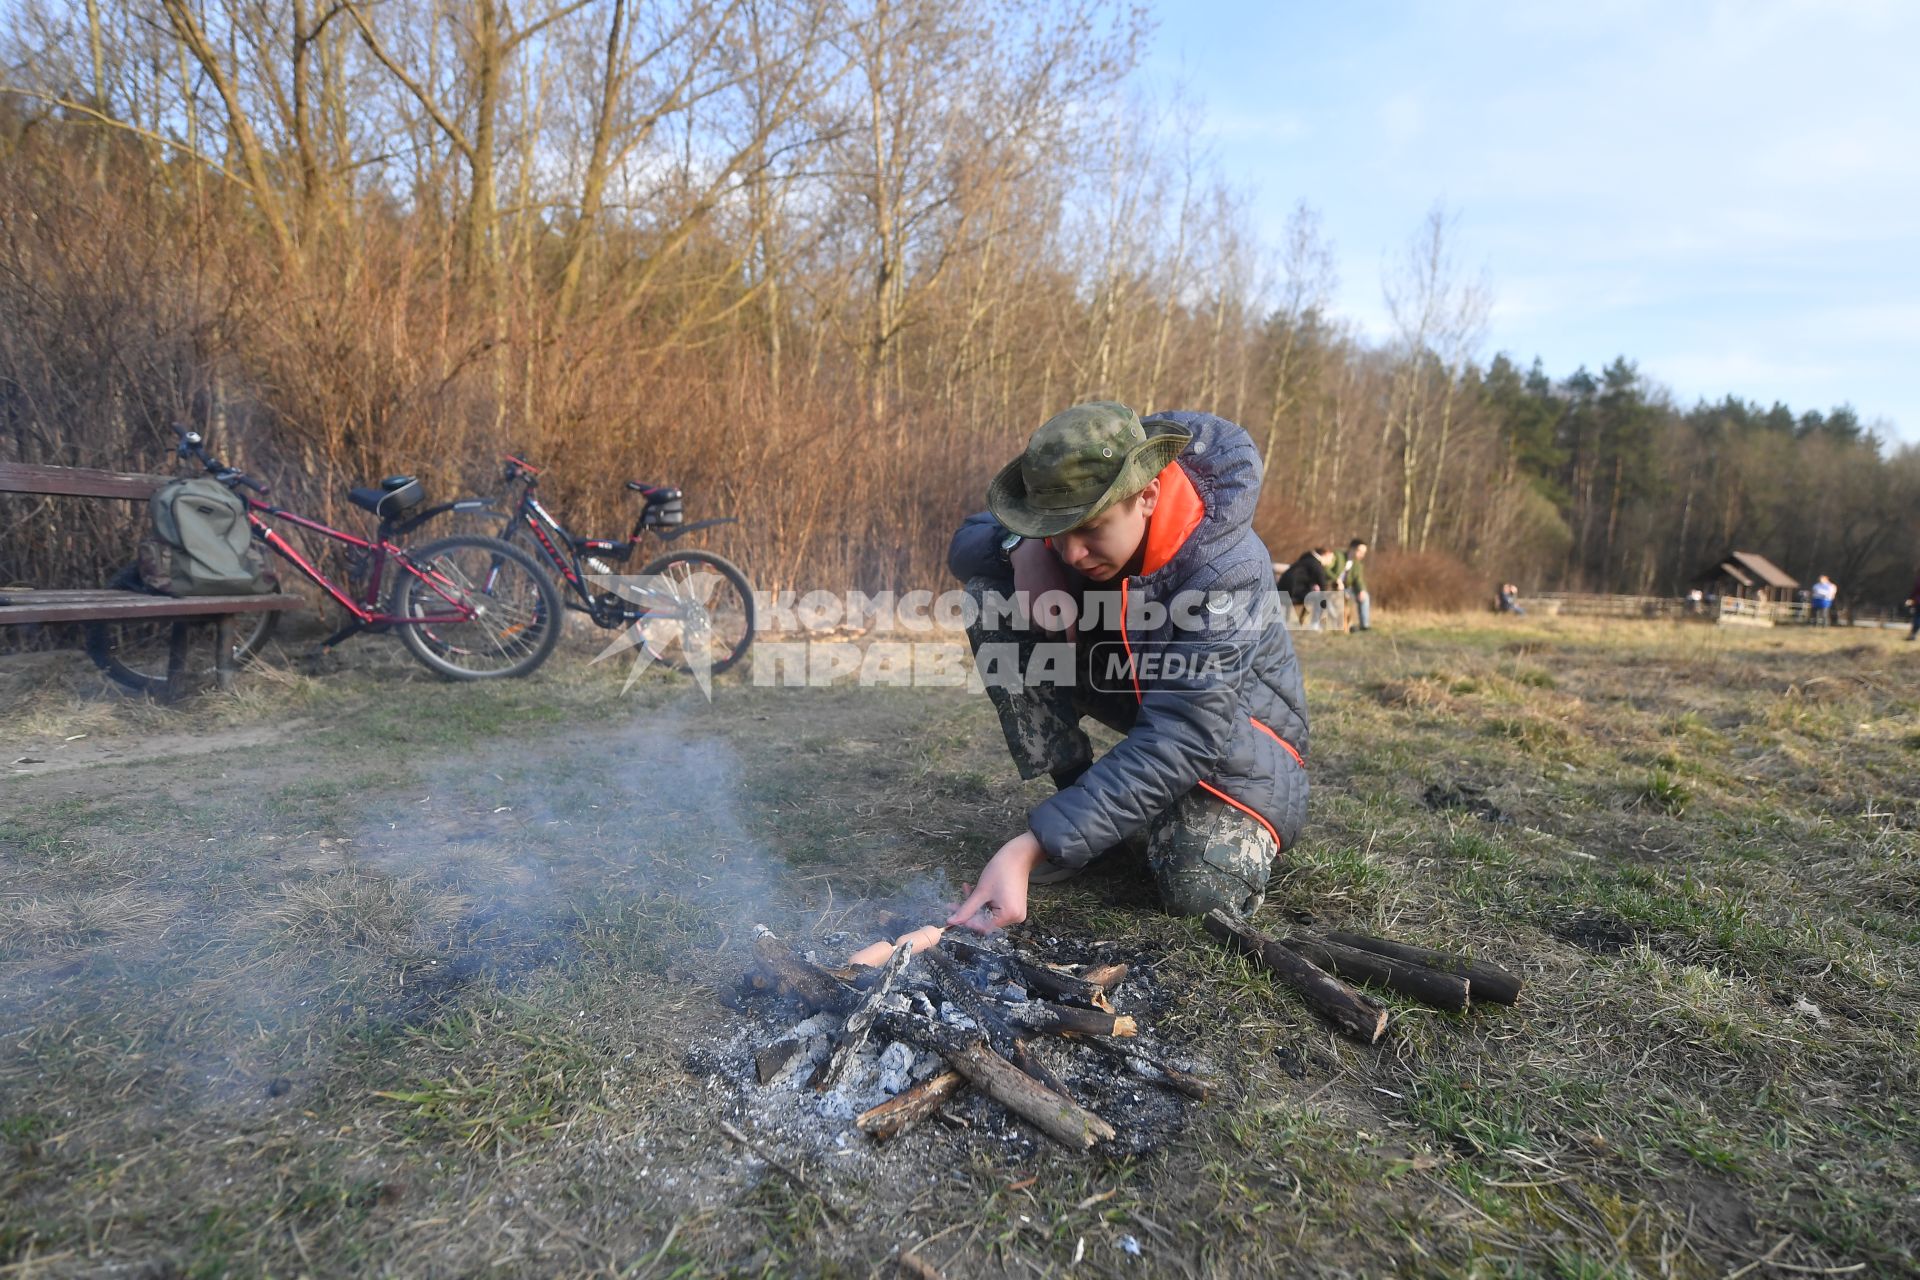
506,618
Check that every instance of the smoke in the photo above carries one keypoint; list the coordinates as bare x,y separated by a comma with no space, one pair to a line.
622,868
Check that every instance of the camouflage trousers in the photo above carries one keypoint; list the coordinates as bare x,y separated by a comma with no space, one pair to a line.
1203,852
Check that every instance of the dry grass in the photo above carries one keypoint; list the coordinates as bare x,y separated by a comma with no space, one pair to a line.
415,991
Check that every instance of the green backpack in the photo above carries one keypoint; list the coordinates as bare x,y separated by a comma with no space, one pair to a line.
201,543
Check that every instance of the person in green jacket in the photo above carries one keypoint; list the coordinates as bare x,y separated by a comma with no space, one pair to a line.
1349,572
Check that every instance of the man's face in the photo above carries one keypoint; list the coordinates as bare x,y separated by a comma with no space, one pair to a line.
1360,551
1101,548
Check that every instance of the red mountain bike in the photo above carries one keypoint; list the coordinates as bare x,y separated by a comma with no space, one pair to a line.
468,607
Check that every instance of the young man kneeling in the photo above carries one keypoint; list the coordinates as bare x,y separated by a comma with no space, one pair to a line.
1132,543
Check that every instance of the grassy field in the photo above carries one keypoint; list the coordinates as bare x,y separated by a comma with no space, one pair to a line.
425,983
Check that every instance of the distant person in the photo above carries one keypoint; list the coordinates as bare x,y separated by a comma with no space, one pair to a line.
1510,600
1307,573
1822,601
1350,576
1913,606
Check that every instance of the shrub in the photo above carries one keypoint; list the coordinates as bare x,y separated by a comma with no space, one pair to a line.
1431,580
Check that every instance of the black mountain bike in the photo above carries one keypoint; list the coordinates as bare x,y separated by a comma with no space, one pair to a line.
690,610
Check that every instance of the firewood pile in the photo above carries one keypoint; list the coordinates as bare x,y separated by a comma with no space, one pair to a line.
945,1016
1315,966
913,1022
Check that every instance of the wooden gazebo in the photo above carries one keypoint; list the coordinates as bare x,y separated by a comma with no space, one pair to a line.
1747,575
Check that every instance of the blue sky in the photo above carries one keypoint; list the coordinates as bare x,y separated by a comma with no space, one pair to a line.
1727,194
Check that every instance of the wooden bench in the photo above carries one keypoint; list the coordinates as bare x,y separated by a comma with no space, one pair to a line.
97,604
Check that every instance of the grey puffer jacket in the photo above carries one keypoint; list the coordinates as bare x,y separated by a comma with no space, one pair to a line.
1221,704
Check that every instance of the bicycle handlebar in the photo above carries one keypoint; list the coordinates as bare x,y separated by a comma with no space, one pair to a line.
191,446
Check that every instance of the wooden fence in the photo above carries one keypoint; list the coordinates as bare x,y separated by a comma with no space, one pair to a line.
1728,610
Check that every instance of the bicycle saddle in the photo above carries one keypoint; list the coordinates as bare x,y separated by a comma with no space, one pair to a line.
395,495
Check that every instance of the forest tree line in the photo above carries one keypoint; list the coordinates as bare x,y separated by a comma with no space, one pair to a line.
823,263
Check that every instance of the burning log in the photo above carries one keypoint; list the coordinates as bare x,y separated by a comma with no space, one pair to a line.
1428,986
792,975
1060,1118
1057,1116
1039,977
1490,981
1360,1017
1058,1020
861,1020
904,1110
965,997
990,1040
993,1026
1048,980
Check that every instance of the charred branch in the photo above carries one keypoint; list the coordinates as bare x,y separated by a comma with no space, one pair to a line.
862,1018
1058,1020
1036,976
1057,1116
1153,1071
787,973
905,1110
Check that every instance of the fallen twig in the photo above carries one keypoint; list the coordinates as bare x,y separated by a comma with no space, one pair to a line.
831,1209
1153,1071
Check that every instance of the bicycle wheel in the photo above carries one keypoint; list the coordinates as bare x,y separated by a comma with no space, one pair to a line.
515,611
719,624
135,654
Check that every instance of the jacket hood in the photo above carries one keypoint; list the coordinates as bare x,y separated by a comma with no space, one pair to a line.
1223,467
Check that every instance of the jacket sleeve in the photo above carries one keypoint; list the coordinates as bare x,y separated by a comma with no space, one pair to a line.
975,551
1184,724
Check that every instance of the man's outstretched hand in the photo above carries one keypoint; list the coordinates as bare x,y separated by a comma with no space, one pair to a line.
1000,899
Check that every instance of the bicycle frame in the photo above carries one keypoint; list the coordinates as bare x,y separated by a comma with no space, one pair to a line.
551,536
366,611
567,555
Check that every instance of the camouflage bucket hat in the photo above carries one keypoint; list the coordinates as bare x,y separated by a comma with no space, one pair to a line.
1077,465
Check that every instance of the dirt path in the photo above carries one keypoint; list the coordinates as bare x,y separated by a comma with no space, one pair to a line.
37,759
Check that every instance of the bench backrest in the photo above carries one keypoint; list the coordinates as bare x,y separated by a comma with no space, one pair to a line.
77,482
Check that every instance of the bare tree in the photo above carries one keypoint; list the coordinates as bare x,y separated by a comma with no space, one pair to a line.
1440,318
1308,281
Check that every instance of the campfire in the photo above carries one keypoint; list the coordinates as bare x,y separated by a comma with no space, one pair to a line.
922,1016
927,1015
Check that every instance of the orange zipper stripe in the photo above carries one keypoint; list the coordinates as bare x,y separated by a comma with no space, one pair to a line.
1134,672
1282,741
